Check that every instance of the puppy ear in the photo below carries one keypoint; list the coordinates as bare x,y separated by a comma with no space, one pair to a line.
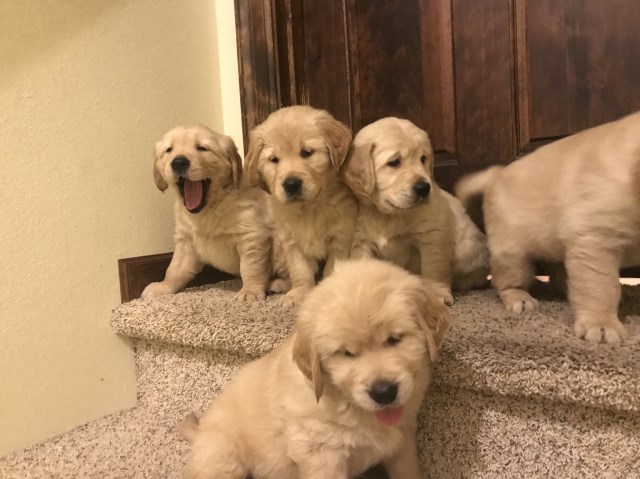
308,360
252,158
236,162
433,316
157,175
358,171
338,138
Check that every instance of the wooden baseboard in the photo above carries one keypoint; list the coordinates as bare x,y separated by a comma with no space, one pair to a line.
136,273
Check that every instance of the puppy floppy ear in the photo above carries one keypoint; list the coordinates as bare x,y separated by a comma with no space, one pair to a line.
337,136
308,360
157,175
433,316
252,158
358,171
234,159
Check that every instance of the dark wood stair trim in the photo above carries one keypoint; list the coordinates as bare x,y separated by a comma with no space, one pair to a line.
136,273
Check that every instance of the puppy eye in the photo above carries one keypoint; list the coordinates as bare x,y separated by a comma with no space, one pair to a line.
201,148
394,163
346,352
393,340
275,160
423,159
169,150
305,153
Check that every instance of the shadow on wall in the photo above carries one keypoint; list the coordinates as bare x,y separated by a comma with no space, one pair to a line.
29,30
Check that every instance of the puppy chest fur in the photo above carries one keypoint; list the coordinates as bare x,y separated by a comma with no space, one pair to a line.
316,226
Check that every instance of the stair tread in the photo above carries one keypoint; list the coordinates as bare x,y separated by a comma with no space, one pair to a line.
487,349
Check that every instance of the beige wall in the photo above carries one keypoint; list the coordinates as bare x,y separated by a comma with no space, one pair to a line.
86,88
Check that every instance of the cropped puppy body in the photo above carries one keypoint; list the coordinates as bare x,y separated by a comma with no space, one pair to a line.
295,154
341,395
577,202
404,217
218,222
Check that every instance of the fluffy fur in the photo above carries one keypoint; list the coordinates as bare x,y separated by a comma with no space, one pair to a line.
306,410
217,221
295,154
404,216
575,202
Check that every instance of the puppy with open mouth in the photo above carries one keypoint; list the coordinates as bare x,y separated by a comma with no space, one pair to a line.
218,221
295,155
404,217
340,395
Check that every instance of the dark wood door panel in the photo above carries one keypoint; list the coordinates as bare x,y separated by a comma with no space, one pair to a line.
485,113
578,65
388,48
326,80
488,79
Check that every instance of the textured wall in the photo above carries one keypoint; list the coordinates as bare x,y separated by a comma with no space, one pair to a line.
86,88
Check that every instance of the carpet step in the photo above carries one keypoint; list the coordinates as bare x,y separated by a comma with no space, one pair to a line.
487,350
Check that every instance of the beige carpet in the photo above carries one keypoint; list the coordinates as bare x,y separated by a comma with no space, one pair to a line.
533,355
513,396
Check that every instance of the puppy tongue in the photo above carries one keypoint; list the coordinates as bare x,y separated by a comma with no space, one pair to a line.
389,415
192,194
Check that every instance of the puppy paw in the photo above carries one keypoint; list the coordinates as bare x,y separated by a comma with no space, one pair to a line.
518,301
250,294
280,286
156,289
294,297
609,330
441,291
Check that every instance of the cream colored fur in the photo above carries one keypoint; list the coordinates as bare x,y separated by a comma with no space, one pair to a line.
432,236
318,224
233,232
304,411
577,202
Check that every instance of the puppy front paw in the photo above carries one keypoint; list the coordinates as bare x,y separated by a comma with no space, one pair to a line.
608,329
250,294
518,301
441,291
294,297
157,289
279,286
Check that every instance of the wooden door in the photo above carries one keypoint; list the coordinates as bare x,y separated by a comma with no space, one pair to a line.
490,80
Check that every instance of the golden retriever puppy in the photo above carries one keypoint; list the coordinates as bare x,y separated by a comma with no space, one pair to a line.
575,201
295,155
218,222
340,395
404,217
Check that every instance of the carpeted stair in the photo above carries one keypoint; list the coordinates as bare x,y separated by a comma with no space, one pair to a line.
512,397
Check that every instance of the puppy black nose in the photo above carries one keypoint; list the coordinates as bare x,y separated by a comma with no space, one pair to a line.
292,185
421,189
180,164
384,392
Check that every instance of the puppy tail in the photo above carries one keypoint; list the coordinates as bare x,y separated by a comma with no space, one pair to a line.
189,427
470,191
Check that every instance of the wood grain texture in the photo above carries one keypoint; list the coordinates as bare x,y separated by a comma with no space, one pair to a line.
485,110
578,65
257,61
136,273
489,80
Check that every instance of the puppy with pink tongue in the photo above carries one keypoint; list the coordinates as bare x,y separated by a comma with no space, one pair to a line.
340,395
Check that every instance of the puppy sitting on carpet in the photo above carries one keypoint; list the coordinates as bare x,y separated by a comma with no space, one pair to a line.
218,222
575,201
295,154
404,217
340,395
